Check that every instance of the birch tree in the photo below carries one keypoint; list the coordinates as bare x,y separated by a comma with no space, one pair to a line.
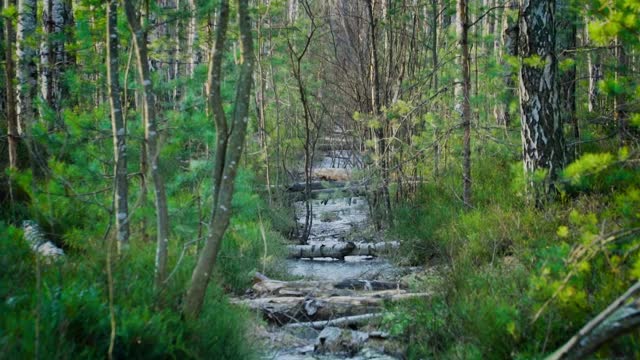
10,73
52,54
542,134
229,145
119,130
27,75
192,38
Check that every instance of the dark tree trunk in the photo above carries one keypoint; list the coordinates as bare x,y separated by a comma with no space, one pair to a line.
566,46
463,93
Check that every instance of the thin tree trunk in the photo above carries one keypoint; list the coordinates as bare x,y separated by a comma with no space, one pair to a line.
595,74
509,47
463,97
192,38
620,100
10,74
119,131
151,139
221,213
376,107
261,80
566,46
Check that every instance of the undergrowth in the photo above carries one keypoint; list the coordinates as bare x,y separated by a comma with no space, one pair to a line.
514,283
61,310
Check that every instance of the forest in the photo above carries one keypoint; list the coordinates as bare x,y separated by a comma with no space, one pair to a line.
320,179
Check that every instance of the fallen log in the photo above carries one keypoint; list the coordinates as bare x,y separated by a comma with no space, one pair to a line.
620,317
286,309
340,250
266,286
317,185
346,321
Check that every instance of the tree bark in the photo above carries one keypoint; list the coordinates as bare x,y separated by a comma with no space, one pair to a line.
221,213
595,74
52,57
509,48
151,140
27,75
192,38
376,108
620,99
10,74
311,125
463,100
543,145
567,28
119,130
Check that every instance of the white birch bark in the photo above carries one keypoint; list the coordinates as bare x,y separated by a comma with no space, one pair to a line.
119,130
26,65
542,131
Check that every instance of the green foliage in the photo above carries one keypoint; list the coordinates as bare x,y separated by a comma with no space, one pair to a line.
71,312
518,280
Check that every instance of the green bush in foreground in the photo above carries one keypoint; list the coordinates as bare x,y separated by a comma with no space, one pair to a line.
66,313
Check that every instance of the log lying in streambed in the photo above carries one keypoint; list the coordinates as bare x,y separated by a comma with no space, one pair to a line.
317,185
288,309
340,250
339,322
267,287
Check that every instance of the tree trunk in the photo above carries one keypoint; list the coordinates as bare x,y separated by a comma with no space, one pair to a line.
119,130
542,133
620,99
10,74
192,38
595,74
52,57
566,47
151,139
509,48
27,75
221,213
376,108
463,101
620,317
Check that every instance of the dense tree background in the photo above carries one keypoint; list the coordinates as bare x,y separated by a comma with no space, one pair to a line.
153,141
